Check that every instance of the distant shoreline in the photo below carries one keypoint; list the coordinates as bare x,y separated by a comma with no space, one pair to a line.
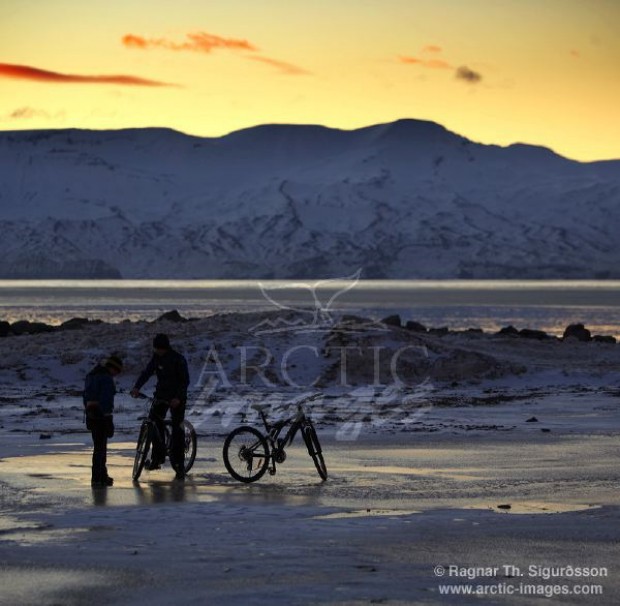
577,331
460,305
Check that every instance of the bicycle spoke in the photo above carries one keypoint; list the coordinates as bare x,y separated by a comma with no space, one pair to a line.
246,454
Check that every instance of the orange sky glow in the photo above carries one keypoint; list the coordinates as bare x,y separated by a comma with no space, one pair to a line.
545,72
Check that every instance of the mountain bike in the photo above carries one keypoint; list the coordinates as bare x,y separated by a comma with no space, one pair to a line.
247,452
150,434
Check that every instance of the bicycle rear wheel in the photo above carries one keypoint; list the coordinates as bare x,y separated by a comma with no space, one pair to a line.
246,454
142,449
190,444
314,448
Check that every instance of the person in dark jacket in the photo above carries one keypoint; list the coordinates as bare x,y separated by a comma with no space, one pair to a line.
99,392
170,394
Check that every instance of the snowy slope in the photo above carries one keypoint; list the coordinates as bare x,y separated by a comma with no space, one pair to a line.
407,199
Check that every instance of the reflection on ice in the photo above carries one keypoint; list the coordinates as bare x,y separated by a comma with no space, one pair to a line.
366,513
151,493
527,507
21,586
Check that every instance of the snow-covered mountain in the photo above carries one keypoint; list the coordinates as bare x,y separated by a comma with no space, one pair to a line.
407,199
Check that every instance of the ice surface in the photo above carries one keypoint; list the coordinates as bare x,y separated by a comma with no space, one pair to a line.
416,476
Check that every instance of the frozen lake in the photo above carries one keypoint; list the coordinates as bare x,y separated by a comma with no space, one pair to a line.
458,304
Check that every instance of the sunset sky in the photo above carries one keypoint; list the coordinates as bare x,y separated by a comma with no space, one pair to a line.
497,71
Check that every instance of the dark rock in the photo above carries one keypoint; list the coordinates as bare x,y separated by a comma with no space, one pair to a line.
353,319
77,323
508,331
23,327
504,506
392,321
528,333
172,316
20,327
37,327
415,326
578,332
545,429
597,338
45,436
440,332
532,420
4,328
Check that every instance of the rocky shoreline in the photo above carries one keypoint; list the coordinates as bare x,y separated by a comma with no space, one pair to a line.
573,332
283,353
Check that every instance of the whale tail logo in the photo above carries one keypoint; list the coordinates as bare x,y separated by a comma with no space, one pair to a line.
313,302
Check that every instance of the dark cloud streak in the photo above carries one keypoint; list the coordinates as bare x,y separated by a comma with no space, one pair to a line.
468,75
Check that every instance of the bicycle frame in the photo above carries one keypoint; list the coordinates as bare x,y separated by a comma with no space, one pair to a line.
154,420
277,445
151,418
159,432
249,452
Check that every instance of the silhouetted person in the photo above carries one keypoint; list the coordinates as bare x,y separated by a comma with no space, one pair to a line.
170,394
99,392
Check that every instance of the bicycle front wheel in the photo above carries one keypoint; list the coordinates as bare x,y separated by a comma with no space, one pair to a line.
246,454
314,449
190,442
142,450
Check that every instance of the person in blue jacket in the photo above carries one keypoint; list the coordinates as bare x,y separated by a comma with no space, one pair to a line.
170,394
99,392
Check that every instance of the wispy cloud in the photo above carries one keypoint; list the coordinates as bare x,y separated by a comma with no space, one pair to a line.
26,72
431,63
203,42
26,113
461,73
287,68
200,42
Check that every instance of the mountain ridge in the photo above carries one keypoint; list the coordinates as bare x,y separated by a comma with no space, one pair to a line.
404,199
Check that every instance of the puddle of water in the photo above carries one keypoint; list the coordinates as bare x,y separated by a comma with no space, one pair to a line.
366,513
11,523
448,472
519,508
27,537
537,507
21,586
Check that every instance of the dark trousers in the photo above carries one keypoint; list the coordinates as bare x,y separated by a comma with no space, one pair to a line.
177,445
99,431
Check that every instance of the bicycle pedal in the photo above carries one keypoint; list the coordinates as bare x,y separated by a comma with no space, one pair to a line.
272,472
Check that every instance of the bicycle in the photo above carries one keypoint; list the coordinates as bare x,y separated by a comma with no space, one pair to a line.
247,452
150,433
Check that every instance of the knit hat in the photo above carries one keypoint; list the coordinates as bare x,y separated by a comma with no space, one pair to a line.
161,341
114,362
